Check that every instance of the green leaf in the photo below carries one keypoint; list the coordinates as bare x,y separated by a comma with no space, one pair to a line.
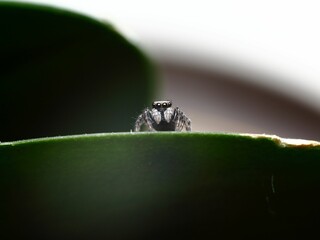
64,73
168,185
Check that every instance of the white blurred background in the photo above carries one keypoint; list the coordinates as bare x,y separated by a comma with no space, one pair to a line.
231,65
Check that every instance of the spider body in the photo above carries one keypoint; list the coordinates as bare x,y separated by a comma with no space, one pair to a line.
163,117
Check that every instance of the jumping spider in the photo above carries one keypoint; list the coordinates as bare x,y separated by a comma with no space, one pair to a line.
162,117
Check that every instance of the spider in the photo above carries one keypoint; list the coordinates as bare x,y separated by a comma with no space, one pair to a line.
162,117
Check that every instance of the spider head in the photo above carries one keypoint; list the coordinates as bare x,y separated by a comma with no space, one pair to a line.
161,104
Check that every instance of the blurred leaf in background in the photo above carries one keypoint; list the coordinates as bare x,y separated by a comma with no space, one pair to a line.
63,73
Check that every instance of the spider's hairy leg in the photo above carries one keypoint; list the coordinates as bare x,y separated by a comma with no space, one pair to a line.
181,120
143,119
187,123
176,119
139,122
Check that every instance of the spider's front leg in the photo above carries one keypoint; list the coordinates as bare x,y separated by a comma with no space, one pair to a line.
144,118
181,120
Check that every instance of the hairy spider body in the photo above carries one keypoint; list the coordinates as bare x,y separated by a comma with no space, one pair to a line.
163,117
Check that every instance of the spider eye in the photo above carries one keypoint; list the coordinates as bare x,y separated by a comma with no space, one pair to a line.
158,104
164,104
153,105
169,104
